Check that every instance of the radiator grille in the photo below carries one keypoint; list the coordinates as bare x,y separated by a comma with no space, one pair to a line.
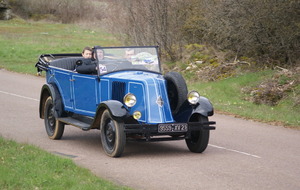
118,90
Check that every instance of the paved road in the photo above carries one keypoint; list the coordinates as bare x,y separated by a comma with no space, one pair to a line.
241,154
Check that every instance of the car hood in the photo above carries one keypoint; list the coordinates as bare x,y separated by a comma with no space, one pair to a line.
150,91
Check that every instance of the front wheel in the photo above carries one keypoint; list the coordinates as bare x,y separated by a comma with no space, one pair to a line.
199,139
54,128
112,135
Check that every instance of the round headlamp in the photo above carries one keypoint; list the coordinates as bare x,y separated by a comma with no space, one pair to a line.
193,97
129,100
137,115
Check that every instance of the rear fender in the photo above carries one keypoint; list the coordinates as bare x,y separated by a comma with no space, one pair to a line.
51,90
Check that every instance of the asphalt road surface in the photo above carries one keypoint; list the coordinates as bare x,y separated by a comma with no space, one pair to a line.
241,154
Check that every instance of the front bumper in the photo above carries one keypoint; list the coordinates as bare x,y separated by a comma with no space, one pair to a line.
149,130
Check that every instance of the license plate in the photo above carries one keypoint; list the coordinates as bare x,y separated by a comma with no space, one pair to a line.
169,128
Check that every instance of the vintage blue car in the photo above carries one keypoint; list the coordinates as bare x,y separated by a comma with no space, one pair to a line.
126,98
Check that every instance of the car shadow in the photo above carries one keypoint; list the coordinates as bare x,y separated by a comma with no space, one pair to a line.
92,141
151,149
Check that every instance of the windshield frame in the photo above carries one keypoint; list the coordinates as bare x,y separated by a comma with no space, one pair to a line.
118,59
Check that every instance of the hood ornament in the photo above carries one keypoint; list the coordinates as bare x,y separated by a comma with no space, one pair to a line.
160,101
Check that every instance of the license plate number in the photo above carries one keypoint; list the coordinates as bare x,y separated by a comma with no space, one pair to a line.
168,128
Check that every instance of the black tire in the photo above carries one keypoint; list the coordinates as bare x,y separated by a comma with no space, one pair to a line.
177,90
113,137
199,139
54,128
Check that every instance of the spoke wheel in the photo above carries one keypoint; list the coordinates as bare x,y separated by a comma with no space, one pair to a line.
112,135
199,139
54,128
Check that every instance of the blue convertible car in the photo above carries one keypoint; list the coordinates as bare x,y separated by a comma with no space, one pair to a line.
125,97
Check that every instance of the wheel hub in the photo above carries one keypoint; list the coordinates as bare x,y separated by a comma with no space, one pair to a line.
51,118
110,133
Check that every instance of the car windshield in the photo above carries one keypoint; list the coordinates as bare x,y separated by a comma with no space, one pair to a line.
111,59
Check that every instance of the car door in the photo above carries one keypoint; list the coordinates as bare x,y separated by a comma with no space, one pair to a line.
63,79
85,94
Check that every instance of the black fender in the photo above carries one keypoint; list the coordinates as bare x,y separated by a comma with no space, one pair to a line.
51,90
203,107
116,109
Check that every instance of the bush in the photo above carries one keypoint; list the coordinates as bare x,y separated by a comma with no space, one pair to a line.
65,11
270,92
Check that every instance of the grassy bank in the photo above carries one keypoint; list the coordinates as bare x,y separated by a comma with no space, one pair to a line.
27,167
227,97
21,42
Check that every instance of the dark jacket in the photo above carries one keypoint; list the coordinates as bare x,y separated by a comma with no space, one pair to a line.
86,66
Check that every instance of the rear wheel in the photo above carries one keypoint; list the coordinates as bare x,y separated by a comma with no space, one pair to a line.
199,139
112,135
54,128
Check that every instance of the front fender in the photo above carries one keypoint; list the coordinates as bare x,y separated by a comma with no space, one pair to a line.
50,90
116,109
204,107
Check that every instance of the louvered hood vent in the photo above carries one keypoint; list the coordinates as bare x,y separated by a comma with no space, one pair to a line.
118,90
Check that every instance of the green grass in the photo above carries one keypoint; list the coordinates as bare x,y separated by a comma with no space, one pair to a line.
27,167
227,97
21,42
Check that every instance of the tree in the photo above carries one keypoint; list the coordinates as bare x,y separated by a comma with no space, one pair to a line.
268,28
154,22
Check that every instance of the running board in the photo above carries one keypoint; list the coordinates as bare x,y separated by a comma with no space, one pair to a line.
75,122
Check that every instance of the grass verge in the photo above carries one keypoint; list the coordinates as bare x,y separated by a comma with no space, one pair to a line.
27,167
226,96
21,42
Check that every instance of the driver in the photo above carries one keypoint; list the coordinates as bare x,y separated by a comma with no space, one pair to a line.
98,54
129,53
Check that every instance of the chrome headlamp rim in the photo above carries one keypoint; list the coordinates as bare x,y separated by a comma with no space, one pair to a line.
193,97
129,100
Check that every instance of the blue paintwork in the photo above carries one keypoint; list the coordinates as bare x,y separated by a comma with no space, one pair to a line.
83,93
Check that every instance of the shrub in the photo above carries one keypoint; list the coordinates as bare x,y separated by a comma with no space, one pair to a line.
66,11
271,91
